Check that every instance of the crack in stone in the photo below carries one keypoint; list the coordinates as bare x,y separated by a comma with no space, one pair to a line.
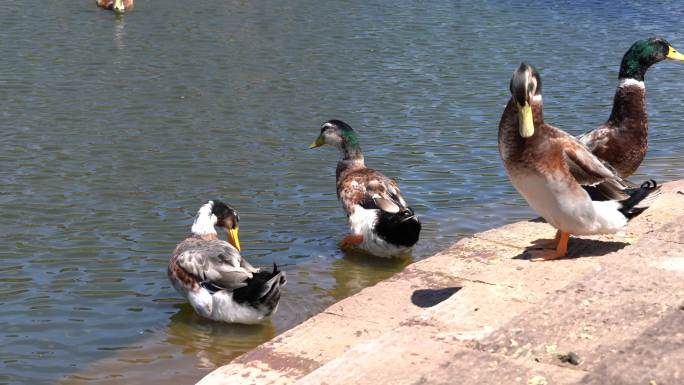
484,282
509,245
347,317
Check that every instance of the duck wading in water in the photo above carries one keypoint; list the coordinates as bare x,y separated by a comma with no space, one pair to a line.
380,222
118,6
622,141
548,167
216,280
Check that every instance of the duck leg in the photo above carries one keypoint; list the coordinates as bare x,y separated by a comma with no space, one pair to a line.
548,255
350,240
547,243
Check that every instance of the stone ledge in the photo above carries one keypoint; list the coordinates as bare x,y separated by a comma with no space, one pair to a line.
479,312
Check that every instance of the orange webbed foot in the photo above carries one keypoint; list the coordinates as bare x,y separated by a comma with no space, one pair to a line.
561,249
547,244
349,241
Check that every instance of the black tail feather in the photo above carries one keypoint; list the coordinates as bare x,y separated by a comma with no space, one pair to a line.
402,228
261,288
636,195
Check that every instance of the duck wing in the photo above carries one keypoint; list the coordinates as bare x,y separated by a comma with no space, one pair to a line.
216,264
597,177
596,137
371,190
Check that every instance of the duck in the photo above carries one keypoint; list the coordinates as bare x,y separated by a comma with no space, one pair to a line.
380,222
118,6
219,284
622,141
549,168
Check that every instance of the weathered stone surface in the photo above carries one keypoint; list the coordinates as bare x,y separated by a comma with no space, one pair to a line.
422,355
653,357
481,313
351,321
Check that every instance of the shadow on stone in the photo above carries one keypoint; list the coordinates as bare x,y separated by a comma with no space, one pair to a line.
580,248
431,297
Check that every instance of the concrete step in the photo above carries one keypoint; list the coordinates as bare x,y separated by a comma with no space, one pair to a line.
480,312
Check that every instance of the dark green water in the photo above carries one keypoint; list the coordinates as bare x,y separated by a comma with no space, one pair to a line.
114,130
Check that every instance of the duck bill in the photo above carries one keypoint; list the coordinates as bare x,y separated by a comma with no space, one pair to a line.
233,238
674,55
525,120
317,143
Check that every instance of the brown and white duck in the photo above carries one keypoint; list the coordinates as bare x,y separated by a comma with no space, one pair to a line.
213,276
549,167
118,6
622,141
380,221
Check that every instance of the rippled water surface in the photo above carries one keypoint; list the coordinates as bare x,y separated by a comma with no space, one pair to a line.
114,130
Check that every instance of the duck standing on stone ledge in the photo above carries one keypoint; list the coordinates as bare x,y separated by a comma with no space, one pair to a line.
548,167
118,6
380,221
213,276
622,141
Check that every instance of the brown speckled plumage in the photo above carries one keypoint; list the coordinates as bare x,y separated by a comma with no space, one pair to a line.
356,185
380,222
550,152
181,279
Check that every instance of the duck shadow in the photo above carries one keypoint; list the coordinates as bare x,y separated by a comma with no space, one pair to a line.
430,297
580,248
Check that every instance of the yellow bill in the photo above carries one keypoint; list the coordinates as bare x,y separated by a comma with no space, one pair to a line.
525,120
317,143
233,238
674,55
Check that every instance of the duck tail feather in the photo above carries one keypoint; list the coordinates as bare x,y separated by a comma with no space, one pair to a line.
639,199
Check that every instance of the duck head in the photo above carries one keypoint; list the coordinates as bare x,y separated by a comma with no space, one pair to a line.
339,134
336,133
525,89
217,213
643,54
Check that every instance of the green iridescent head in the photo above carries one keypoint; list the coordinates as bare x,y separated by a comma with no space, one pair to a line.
337,133
643,54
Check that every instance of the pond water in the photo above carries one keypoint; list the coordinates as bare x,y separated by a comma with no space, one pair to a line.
114,130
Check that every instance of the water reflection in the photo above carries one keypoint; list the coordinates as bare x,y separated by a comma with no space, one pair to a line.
357,270
213,343
220,100
186,349
119,31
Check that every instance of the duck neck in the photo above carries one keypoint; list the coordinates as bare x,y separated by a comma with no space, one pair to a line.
351,156
629,105
349,147
203,226
512,145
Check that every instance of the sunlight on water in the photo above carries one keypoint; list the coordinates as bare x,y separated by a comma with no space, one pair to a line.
115,131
